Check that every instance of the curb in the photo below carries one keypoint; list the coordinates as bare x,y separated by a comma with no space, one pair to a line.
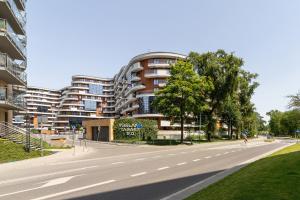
190,190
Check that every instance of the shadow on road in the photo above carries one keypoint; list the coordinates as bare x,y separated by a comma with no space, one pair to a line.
150,191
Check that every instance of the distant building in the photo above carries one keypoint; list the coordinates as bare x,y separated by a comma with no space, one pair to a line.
42,105
87,98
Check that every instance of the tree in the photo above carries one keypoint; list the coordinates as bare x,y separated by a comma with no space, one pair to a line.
275,122
223,71
294,101
183,93
246,88
284,123
230,114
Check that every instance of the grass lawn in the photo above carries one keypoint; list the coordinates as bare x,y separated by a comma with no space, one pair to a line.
276,177
10,151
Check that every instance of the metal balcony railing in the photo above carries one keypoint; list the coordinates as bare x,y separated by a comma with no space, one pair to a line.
15,38
7,63
10,99
20,15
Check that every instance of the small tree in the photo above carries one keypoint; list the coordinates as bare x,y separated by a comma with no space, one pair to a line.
181,95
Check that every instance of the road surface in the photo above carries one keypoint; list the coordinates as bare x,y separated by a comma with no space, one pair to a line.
113,172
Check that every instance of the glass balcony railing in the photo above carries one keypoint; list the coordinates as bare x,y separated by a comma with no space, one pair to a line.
7,63
17,101
20,15
16,39
157,72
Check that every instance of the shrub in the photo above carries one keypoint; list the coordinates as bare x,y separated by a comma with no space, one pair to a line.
126,129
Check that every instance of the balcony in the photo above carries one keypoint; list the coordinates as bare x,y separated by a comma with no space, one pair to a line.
11,43
156,73
134,88
20,4
137,67
160,63
135,78
10,72
10,11
10,102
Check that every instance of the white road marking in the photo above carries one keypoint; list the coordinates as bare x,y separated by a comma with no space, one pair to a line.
226,152
138,159
162,168
73,190
45,175
172,154
196,160
138,174
208,157
232,151
183,163
57,181
116,156
116,163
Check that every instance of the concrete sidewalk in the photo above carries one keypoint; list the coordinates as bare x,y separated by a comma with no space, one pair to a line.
59,155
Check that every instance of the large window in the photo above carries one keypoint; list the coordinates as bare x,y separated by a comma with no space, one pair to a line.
90,105
146,105
96,89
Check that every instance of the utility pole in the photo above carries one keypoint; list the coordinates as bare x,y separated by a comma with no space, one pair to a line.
200,124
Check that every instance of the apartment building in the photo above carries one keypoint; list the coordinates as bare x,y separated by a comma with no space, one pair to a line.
13,63
42,105
129,94
87,98
136,83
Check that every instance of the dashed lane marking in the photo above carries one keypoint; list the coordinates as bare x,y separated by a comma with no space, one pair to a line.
163,168
183,163
138,174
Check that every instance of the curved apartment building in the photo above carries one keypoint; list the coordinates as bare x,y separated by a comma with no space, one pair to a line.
12,57
42,104
129,94
88,97
136,83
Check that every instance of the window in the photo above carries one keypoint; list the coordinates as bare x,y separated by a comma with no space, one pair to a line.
90,105
145,105
95,89
42,109
19,118
159,81
2,94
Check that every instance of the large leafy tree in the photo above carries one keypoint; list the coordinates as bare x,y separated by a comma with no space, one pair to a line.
294,101
246,89
223,70
183,93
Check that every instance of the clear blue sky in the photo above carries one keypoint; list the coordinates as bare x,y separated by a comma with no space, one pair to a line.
95,37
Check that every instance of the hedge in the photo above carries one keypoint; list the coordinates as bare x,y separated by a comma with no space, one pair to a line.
126,129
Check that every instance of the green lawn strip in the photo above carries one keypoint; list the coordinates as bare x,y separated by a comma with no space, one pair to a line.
276,177
10,151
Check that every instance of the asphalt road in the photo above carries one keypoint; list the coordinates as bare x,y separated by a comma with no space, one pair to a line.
126,172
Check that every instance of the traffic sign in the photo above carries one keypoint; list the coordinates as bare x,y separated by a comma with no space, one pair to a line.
139,125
